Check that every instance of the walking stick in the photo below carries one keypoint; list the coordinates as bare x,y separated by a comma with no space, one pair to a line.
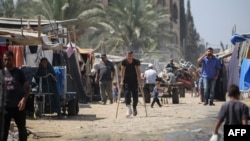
119,96
142,92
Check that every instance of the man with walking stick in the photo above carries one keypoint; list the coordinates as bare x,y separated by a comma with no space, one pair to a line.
130,75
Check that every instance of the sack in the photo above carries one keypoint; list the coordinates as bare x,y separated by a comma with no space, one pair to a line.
215,137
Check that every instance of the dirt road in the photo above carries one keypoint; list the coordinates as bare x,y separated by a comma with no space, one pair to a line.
187,121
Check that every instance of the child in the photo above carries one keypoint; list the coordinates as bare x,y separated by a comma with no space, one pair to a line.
115,92
155,94
234,112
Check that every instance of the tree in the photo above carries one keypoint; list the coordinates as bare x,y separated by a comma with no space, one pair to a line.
64,10
192,38
7,8
141,26
183,27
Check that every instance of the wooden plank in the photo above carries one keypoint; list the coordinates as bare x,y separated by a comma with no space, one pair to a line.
177,84
25,41
50,27
8,31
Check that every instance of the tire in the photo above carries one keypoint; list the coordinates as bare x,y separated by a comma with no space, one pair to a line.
182,92
175,96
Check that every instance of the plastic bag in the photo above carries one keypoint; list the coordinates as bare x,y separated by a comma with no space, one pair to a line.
214,137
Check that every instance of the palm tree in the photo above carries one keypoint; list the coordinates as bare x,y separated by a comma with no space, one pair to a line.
138,25
192,37
64,10
6,8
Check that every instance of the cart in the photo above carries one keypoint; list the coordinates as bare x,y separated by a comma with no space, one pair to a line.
39,103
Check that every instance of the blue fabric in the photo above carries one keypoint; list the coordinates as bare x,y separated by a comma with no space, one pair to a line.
210,67
209,85
244,83
237,38
155,92
246,35
60,80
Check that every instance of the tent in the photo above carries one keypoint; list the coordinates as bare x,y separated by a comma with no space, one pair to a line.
239,65
244,82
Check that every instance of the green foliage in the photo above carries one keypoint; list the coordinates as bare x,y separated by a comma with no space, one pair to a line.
139,25
183,28
132,25
7,8
192,38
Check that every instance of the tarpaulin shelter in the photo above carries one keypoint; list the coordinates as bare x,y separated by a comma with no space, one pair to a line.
239,64
35,35
244,82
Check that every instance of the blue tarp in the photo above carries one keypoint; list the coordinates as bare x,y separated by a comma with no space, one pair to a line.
237,38
244,83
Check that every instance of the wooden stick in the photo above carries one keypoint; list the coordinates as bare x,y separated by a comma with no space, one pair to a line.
119,94
142,92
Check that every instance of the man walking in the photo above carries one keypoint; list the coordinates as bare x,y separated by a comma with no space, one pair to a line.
130,75
17,92
150,77
104,76
209,72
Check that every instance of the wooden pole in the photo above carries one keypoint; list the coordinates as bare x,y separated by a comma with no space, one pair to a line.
142,92
39,26
119,94
118,101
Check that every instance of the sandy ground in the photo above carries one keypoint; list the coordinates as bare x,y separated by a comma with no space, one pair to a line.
187,121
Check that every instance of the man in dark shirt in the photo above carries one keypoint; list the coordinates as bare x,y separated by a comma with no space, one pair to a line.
232,112
130,75
104,76
171,64
17,90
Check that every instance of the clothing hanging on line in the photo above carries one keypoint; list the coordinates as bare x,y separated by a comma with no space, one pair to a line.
18,51
3,48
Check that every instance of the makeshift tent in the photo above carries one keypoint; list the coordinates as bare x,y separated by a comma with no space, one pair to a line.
239,65
244,83
219,91
233,69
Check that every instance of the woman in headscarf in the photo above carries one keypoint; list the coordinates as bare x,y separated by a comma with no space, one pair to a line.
49,84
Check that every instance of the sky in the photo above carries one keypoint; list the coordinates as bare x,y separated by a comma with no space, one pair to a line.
215,19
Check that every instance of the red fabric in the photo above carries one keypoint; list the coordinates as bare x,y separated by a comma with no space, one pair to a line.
187,83
18,51
3,48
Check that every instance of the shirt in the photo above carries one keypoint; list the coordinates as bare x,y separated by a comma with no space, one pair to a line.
210,67
233,112
105,71
14,80
150,76
130,75
155,92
